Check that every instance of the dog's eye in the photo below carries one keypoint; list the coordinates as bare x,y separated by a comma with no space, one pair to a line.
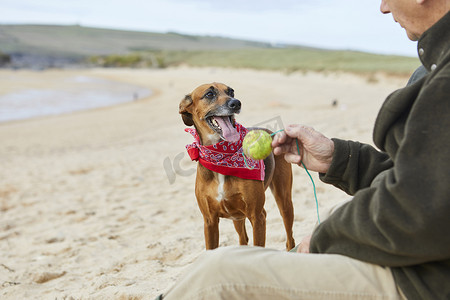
210,95
231,93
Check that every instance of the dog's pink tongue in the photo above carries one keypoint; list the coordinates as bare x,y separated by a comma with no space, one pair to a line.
228,131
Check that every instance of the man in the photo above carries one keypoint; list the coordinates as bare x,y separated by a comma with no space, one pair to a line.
392,241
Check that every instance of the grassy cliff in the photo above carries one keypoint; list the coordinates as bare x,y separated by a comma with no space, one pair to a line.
121,48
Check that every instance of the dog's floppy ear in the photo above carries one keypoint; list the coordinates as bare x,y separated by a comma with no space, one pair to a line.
185,115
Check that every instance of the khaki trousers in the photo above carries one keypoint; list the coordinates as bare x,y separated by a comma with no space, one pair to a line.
246,272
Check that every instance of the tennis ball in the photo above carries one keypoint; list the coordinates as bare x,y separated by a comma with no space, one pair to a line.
257,144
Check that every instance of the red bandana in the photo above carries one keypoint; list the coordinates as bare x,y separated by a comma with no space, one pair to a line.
226,158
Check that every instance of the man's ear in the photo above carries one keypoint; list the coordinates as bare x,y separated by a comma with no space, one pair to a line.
185,115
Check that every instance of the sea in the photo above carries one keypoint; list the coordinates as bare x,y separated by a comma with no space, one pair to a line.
80,93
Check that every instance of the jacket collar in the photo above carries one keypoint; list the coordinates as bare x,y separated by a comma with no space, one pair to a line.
434,44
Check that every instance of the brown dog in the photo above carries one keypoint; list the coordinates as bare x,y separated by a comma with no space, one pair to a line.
210,108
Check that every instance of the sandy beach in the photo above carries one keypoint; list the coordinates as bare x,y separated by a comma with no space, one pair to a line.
100,204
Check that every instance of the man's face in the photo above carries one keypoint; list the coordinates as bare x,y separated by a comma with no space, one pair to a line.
407,14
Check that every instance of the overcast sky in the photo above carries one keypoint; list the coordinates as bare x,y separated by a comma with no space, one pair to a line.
332,24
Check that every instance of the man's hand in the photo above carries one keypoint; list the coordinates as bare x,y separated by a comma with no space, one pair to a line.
316,150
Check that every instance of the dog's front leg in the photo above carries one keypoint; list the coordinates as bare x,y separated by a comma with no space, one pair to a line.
211,228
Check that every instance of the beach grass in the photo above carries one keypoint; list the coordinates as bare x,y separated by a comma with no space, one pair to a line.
295,59
276,59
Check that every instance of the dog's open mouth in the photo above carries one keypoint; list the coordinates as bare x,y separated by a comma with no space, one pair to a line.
225,126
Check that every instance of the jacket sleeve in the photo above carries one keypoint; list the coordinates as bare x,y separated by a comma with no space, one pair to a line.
403,218
355,165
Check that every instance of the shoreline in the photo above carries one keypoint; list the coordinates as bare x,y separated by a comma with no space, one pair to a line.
67,93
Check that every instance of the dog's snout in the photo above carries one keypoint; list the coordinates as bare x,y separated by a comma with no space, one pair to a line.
234,104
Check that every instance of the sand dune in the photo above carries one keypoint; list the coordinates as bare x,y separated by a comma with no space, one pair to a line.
100,204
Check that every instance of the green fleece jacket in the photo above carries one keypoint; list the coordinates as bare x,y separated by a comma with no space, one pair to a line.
400,213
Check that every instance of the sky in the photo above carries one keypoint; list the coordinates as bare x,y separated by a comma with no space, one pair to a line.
345,25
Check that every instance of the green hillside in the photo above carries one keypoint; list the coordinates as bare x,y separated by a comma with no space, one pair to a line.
85,41
31,45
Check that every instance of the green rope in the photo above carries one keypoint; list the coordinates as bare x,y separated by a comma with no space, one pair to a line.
307,172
